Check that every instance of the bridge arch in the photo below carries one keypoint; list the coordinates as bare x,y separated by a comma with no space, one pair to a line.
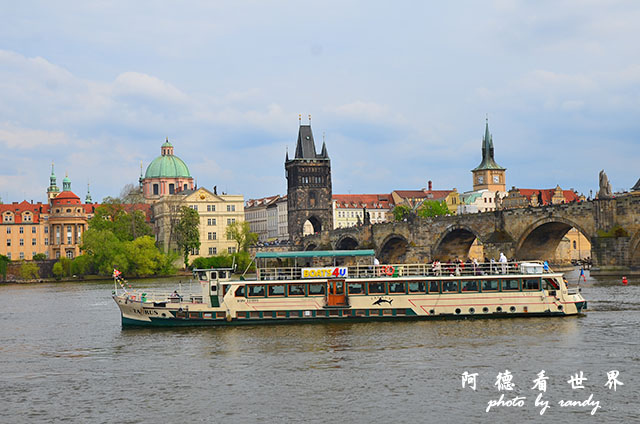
454,242
541,239
347,242
393,249
634,254
310,246
312,225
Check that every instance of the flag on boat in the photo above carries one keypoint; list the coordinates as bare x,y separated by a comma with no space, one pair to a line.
116,273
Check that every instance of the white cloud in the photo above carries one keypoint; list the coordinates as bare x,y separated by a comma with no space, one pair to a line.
12,137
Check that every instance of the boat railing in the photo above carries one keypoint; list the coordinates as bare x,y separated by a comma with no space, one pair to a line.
165,296
409,270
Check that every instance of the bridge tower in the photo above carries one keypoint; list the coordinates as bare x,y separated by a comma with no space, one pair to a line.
309,194
488,175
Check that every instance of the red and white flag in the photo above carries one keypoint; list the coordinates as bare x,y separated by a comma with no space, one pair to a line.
116,273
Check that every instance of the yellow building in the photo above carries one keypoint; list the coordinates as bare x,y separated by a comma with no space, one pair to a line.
216,213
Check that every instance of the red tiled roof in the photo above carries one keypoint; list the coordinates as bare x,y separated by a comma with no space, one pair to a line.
370,201
66,198
251,203
18,208
547,194
423,194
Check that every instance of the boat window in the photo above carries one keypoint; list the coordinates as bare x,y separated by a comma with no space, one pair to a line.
202,275
256,291
396,287
214,275
356,288
275,290
417,287
339,287
510,285
470,286
240,291
490,285
531,284
296,289
549,284
316,289
376,288
449,286
434,286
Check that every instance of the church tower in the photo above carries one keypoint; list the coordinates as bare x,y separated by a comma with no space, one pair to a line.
52,190
488,175
309,194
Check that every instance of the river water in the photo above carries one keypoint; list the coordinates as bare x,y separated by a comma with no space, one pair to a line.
65,358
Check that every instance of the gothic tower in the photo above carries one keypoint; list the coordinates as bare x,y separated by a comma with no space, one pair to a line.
308,187
488,175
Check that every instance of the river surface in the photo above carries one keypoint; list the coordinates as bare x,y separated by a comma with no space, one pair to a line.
65,358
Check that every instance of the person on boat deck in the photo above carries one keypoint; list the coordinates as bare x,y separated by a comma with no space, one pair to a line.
545,265
437,267
503,263
175,295
376,265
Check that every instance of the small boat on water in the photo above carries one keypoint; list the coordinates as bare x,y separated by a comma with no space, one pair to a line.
353,288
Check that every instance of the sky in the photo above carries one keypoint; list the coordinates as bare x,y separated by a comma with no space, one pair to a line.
400,92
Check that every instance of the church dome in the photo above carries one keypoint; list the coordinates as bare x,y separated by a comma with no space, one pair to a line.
167,165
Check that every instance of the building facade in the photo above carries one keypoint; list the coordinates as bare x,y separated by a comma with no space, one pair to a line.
415,198
349,209
54,229
216,213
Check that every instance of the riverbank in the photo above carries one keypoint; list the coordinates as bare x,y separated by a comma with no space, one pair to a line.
90,278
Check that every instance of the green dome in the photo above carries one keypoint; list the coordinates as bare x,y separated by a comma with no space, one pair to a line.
167,166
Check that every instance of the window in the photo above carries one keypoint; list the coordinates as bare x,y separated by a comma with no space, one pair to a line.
211,251
510,285
46,230
210,236
8,242
211,208
355,288
195,251
194,207
211,221
33,230
21,230
9,255
376,288
231,250
215,251
449,287
489,285
396,287
256,291
21,242
21,255
470,286
296,289
231,221
70,254
46,241
8,230
231,208
172,188
155,190
239,291
531,284
33,242
316,289
575,246
434,286
276,290
417,287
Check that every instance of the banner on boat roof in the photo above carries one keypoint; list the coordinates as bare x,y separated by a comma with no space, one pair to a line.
326,272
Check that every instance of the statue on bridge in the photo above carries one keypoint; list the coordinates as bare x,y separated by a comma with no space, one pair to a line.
605,191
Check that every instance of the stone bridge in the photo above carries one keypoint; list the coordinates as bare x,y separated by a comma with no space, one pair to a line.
611,225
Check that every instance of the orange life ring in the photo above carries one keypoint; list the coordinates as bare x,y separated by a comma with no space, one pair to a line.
389,270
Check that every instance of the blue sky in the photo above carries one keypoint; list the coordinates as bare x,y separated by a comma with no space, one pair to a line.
401,92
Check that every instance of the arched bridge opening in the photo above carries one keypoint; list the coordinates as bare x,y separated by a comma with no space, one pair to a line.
393,250
347,243
458,243
555,241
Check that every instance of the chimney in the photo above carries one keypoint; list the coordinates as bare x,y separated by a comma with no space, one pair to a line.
430,185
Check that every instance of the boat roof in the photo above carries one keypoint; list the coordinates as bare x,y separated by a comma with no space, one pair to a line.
315,254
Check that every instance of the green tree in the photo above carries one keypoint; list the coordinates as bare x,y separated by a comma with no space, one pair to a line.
241,233
432,208
4,261
106,251
39,257
58,271
401,212
81,265
124,221
187,232
29,271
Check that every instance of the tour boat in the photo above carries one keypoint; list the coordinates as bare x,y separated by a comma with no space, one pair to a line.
353,288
